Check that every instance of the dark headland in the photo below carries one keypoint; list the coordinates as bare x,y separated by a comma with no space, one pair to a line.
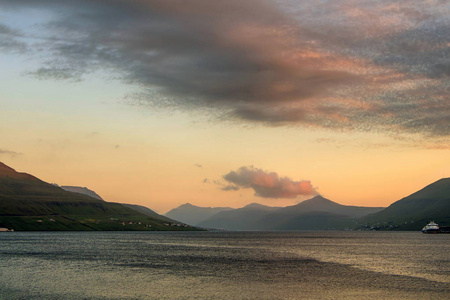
28,203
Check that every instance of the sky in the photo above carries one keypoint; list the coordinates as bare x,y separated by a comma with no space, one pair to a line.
226,103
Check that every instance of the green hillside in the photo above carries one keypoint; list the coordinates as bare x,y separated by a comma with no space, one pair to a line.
148,212
139,208
28,203
416,210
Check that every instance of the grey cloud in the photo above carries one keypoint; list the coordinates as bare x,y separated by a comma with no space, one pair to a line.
275,116
325,140
230,188
10,40
93,134
214,54
424,109
332,64
406,37
57,73
437,125
423,50
9,152
5,30
441,69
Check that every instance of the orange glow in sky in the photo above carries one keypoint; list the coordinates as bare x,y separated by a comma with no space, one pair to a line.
348,100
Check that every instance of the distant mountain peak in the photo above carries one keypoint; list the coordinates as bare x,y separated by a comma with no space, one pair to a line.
256,205
318,199
81,190
188,206
192,214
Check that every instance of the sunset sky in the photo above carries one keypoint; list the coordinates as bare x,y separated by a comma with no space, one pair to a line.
225,103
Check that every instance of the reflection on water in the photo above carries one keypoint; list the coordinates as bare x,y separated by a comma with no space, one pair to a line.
223,265
398,253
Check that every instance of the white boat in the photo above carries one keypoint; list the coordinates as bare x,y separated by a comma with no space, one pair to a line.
431,228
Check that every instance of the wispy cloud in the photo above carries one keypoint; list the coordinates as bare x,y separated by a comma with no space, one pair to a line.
267,184
9,152
10,40
352,65
230,187
54,72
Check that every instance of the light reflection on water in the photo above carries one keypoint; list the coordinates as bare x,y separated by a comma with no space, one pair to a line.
223,265
397,253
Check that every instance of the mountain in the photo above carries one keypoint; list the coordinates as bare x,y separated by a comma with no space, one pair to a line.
147,211
416,210
257,206
245,218
317,213
28,203
139,208
81,190
313,214
193,215
321,204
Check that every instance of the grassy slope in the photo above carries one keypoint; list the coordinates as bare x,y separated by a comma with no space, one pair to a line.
147,211
416,210
27,203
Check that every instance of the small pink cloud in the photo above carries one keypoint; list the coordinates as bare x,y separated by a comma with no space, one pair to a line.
268,184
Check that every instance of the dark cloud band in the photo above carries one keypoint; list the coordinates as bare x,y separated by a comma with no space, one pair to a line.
369,65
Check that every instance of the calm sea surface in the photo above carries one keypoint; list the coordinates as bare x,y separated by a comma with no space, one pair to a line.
224,265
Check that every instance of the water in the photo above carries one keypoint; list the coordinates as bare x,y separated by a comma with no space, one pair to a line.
224,265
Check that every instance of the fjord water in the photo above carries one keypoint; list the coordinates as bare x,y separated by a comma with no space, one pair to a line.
224,265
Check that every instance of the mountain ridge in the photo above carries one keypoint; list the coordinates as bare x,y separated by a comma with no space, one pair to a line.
192,214
319,203
411,212
28,203
81,190
261,217
139,208
26,199
318,213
